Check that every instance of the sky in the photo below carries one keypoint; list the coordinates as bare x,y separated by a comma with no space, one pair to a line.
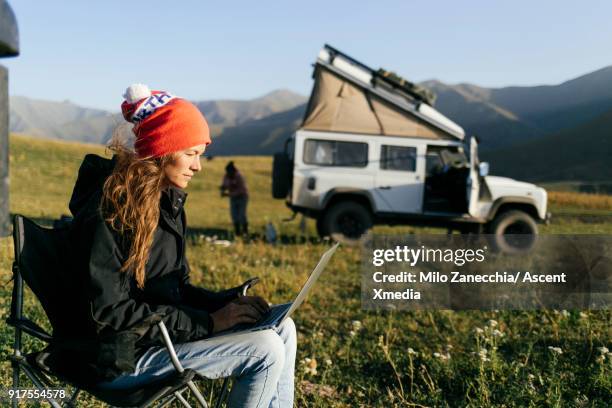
88,52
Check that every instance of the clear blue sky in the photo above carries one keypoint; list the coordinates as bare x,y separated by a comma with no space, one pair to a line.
89,51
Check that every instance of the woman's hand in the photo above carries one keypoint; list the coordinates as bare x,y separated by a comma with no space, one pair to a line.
256,301
245,309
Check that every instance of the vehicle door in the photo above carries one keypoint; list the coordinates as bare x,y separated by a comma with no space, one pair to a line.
473,182
399,179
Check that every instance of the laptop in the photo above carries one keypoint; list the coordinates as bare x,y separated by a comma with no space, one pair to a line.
278,313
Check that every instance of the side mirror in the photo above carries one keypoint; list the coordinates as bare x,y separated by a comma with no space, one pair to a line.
483,169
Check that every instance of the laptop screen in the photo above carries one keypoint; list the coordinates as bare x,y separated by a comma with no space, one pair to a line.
312,279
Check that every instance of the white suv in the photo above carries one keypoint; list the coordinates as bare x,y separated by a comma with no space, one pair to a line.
349,174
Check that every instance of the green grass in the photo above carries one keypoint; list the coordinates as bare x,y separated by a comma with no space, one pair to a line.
398,359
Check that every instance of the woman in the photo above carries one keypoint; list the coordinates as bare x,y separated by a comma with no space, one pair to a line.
128,234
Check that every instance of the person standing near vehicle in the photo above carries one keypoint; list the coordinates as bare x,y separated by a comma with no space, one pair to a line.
235,188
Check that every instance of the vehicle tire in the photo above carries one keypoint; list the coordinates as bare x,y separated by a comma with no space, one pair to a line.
513,231
347,222
282,175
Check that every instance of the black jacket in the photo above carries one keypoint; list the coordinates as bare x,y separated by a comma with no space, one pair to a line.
109,307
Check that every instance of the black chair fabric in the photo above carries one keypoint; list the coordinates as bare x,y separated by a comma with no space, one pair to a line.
40,255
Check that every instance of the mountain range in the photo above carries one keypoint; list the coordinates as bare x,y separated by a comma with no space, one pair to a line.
505,116
65,120
548,132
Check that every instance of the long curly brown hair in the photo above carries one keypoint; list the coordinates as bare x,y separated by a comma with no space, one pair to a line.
130,202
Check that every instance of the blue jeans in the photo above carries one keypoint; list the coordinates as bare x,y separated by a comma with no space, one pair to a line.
238,209
262,364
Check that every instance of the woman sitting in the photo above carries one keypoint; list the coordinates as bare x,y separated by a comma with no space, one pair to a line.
128,237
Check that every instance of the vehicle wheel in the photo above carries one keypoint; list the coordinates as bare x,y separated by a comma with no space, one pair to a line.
513,232
347,222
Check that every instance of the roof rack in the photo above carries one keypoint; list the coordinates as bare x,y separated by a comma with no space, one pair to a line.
390,87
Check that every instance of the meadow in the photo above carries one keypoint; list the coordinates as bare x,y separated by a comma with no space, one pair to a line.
348,357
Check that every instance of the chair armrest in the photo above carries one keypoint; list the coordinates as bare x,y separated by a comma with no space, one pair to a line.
170,347
242,290
178,366
248,285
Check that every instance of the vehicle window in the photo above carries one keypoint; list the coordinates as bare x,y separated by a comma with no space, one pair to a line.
335,153
400,158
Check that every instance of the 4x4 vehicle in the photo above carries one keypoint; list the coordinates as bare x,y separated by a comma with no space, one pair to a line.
372,150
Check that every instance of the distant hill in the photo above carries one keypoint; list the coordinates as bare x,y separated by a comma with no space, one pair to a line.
58,120
477,114
504,116
590,93
234,112
258,137
65,120
583,153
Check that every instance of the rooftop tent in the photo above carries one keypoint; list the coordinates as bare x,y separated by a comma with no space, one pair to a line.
349,97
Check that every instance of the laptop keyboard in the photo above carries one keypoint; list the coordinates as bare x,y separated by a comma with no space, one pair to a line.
272,315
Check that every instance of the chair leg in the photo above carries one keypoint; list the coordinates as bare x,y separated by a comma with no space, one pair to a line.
40,386
15,381
182,400
73,398
167,401
198,396
223,395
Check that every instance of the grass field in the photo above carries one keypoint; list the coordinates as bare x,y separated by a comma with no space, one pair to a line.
348,357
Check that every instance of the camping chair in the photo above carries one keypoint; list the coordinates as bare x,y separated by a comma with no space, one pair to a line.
38,253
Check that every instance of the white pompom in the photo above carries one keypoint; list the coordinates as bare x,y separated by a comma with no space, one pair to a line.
136,92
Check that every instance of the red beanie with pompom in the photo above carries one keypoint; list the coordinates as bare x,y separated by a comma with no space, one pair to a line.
163,123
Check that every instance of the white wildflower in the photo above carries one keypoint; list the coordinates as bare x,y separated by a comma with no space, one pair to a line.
581,401
483,355
352,333
328,362
603,350
222,242
492,323
565,313
356,324
497,333
555,350
441,356
478,330
584,315
411,351
310,365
